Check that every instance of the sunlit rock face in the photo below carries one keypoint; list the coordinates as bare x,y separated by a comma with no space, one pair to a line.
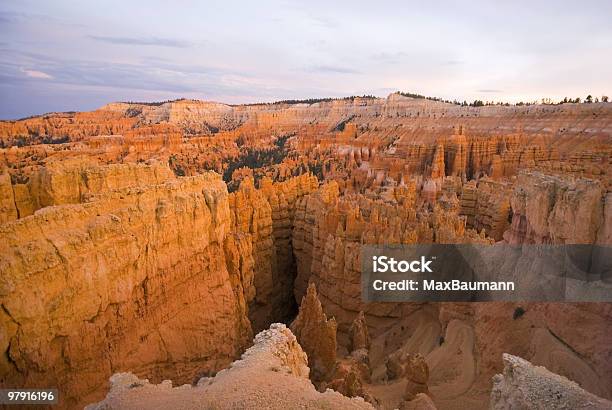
133,278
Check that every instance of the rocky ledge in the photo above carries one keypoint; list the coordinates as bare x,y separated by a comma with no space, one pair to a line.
272,374
525,386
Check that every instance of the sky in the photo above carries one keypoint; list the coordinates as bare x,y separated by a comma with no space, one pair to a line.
64,55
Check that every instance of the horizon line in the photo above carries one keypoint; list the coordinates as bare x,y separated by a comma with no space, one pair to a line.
477,103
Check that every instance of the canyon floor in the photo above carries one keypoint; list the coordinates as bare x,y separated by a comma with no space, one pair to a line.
216,248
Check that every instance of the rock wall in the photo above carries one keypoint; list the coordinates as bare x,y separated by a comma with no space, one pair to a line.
552,209
71,181
461,342
265,215
486,204
328,233
134,278
8,207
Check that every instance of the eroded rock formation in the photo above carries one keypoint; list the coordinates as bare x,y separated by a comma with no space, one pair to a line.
272,374
525,386
359,336
551,209
265,217
411,367
120,251
135,269
316,334
134,278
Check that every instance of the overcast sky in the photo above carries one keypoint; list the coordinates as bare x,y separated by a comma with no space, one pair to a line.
78,55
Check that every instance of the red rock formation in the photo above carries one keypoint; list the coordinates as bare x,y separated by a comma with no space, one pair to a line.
8,207
113,263
347,380
486,204
316,335
548,209
135,278
359,337
73,180
411,367
329,230
266,216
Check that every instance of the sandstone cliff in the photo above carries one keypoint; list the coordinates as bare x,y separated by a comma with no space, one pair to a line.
134,278
551,209
461,343
266,216
73,180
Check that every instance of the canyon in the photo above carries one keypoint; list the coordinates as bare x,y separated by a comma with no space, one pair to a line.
217,248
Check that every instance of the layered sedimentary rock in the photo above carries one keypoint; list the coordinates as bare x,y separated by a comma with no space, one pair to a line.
456,340
251,214
328,233
144,229
8,208
316,334
486,204
551,209
282,197
62,127
73,180
272,374
134,278
265,215
525,386
395,137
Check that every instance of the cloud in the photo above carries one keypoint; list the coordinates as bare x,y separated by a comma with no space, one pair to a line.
393,57
332,69
8,17
36,74
148,76
323,22
12,17
490,90
142,41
